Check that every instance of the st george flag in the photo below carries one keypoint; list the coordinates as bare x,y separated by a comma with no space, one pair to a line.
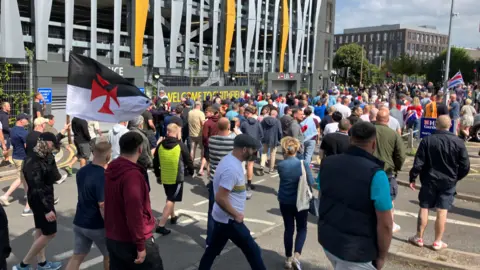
94,92
457,79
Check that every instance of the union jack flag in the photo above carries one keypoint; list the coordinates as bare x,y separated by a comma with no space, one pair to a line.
456,80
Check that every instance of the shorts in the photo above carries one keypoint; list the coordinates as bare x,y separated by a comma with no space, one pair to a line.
7,140
18,165
392,180
174,192
41,223
84,238
338,263
206,153
431,197
198,141
83,150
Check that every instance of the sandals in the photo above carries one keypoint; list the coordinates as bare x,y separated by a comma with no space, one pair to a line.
439,245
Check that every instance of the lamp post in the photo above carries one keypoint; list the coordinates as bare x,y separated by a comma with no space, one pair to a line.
449,48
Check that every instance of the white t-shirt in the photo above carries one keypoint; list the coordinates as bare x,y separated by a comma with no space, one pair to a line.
229,175
394,124
330,128
344,110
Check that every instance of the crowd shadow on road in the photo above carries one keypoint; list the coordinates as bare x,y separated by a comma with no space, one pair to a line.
276,211
18,195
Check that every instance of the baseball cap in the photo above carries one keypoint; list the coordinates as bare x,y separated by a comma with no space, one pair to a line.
49,137
39,121
162,91
244,140
23,116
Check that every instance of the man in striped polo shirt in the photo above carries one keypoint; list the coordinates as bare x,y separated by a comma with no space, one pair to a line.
219,145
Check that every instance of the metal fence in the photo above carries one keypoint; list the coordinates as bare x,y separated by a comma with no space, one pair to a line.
15,83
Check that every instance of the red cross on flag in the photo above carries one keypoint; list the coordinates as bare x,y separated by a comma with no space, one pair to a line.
94,92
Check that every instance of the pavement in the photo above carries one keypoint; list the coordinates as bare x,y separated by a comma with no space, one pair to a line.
183,248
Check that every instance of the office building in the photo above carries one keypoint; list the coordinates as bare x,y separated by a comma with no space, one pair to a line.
386,42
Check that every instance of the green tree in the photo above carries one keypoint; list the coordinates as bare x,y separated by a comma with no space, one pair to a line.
350,56
459,61
406,65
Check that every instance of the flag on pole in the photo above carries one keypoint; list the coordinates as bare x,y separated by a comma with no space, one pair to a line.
455,80
94,92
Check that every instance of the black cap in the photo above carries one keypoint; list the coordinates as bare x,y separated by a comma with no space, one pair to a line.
244,140
49,137
23,116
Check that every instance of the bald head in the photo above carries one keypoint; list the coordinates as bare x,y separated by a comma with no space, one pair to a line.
344,125
373,114
223,124
383,115
444,122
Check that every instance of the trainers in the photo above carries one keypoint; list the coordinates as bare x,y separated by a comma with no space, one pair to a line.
69,171
62,179
27,213
50,266
396,228
250,186
296,264
439,245
162,230
415,240
4,201
173,220
288,263
18,267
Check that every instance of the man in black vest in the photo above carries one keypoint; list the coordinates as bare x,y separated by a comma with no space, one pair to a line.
355,223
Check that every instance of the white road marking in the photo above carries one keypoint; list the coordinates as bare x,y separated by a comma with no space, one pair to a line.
196,159
452,221
200,203
92,262
203,216
63,256
259,181
275,175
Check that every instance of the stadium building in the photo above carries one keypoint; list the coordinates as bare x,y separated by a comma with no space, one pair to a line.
197,46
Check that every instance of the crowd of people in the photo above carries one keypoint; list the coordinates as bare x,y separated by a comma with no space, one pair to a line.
235,137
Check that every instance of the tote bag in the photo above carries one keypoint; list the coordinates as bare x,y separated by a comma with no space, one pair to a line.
304,194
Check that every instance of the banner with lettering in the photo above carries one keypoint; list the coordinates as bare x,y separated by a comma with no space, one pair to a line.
428,126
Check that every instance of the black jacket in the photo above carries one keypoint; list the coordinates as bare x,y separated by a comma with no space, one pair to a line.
4,121
40,174
441,160
5,248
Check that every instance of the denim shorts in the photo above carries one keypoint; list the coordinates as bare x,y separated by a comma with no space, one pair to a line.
84,238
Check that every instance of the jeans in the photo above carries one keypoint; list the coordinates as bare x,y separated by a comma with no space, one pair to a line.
290,217
239,234
415,125
273,154
309,151
339,264
123,255
210,221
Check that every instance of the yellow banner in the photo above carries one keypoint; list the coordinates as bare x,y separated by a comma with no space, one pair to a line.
175,97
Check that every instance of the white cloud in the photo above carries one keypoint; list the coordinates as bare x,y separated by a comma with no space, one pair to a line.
361,13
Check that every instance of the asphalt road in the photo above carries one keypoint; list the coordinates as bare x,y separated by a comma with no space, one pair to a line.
183,248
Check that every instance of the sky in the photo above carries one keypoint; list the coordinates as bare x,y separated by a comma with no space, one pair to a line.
362,13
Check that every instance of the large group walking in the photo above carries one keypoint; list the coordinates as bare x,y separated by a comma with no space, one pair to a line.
351,138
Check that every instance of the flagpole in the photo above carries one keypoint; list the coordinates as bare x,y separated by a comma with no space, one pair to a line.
69,132
449,48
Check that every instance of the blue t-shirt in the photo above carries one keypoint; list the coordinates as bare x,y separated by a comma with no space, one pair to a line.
455,110
320,111
231,114
379,191
18,138
90,185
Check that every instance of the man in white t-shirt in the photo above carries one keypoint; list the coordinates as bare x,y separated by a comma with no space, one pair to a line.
333,127
343,107
228,211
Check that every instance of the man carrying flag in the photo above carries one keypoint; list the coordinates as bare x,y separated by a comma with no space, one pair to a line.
94,92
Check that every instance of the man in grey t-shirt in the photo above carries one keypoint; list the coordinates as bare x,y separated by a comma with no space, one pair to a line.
228,211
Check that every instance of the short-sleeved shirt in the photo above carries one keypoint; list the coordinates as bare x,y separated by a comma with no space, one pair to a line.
394,124
335,143
90,186
330,128
229,175
147,115
379,191
18,138
37,107
195,120
455,110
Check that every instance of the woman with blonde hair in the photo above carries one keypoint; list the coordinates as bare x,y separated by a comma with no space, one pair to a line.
467,118
414,113
290,173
